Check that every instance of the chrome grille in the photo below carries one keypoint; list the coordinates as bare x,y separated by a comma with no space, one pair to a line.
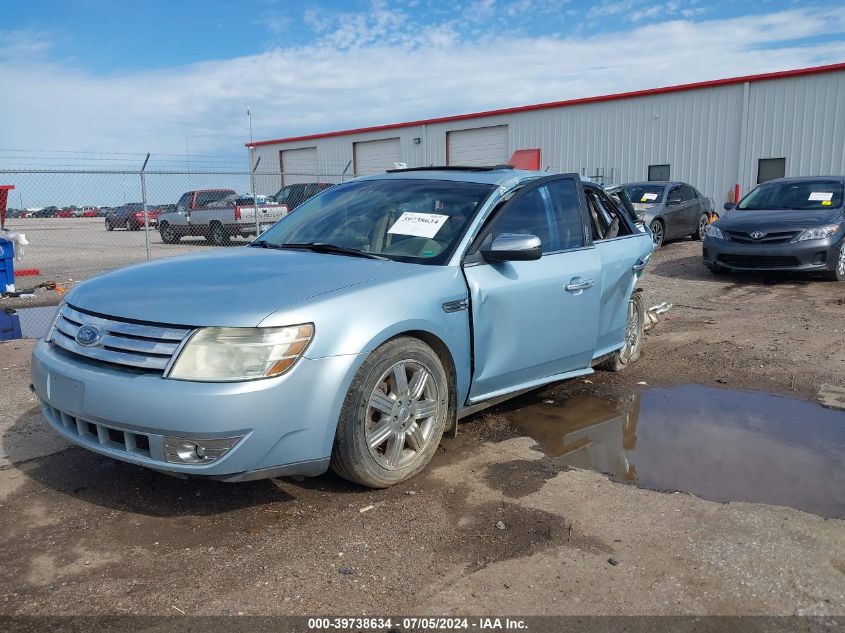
121,343
779,237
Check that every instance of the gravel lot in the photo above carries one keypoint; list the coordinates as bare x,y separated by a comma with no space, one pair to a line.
82,534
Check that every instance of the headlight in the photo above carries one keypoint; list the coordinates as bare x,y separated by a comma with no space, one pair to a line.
818,233
55,320
222,354
713,231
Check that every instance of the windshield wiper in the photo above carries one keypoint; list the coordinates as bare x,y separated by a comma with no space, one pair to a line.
264,244
322,247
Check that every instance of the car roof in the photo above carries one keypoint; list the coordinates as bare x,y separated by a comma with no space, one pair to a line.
805,178
661,183
499,175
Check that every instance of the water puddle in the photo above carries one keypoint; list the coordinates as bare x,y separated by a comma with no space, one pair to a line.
25,322
717,444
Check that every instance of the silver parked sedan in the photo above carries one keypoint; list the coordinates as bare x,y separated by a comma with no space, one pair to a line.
670,209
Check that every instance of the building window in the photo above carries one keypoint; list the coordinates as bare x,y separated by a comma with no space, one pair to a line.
770,168
658,172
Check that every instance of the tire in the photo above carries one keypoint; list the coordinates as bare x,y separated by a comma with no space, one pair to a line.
658,233
133,226
383,436
168,234
631,350
109,226
838,273
703,221
218,235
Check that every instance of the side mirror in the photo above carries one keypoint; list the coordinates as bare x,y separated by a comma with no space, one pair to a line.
729,206
513,247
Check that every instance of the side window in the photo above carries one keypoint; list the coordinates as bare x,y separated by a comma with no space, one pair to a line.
184,202
674,196
563,196
526,215
687,193
205,198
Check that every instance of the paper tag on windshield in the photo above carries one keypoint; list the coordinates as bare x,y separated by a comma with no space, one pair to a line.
418,224
648,196
821,195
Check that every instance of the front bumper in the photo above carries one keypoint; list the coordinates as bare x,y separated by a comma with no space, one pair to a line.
287,423
806,256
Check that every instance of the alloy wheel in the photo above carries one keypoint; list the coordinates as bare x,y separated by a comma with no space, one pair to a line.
632,332
657,233
401,414
840,267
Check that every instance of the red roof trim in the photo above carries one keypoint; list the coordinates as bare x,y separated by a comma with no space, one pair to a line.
558,104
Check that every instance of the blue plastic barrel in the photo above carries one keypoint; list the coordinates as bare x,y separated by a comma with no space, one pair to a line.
7,264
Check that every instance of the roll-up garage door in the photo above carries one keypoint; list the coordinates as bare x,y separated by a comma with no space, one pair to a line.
373,157
479,146
299,165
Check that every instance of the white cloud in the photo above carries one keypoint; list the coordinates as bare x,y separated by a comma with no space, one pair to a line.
380,69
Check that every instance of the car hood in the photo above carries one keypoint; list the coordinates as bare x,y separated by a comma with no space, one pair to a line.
787,220
236,287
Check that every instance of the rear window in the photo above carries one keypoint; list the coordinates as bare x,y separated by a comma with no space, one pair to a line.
799,195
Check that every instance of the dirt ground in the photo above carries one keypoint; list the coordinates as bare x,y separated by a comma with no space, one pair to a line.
82,534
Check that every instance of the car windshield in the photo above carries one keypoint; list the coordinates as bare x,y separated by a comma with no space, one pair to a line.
644,193
417,221
799,195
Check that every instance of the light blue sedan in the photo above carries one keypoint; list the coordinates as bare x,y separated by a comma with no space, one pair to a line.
353,333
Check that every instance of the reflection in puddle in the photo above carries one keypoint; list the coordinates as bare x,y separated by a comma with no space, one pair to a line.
717,444
25,322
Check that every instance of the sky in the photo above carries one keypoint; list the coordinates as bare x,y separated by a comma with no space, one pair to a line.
92,79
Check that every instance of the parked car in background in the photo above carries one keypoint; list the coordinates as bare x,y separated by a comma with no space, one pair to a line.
788,224
66,213
46,212
124,217
217,215
352,333
620,196
88,212
670,210
294,195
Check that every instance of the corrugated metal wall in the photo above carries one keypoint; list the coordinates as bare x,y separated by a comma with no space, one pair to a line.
711,137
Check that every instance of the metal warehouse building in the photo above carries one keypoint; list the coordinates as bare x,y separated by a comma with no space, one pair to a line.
713,134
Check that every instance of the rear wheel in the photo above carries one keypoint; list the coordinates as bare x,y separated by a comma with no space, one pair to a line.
109,226
703,221
168,234
658,231
838,273
218,235
631,348
393,416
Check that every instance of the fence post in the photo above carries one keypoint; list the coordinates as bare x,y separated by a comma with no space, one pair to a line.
146,212
254,199
345,169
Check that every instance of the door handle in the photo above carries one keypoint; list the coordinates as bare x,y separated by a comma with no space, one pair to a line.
641,264
578,285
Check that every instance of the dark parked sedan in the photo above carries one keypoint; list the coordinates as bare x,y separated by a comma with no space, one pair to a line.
670,209
786,224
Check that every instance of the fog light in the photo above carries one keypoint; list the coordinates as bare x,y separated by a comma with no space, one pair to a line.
183,450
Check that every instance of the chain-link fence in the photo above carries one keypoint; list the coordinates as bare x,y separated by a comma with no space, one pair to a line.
80,223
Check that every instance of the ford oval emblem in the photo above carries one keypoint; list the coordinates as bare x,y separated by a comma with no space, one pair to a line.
88,335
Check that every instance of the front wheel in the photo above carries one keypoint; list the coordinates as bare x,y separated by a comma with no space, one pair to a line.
657,233
168,234
703,221
631,348
393,416
838,273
